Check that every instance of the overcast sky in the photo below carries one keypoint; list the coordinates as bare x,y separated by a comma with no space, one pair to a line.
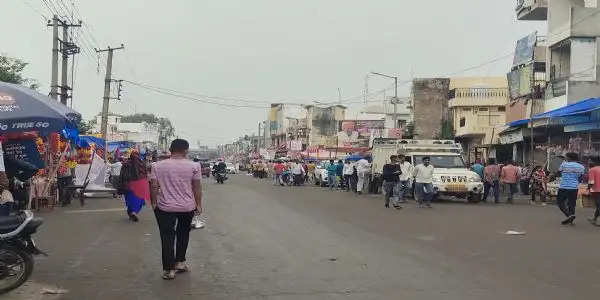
263,50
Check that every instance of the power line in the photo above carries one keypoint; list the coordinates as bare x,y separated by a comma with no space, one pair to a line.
184,96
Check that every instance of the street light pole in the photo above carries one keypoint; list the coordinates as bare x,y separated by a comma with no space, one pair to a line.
395,100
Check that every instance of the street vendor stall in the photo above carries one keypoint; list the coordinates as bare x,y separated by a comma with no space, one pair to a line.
37,130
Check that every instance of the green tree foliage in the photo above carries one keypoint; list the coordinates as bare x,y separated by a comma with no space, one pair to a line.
85,127
11,70
139,118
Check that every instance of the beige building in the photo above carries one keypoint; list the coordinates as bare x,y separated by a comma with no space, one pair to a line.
477,107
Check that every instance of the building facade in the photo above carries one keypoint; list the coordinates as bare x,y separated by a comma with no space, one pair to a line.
477,107
430,101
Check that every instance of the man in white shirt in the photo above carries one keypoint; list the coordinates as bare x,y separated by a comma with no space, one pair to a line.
298,173
348,171
404,184
423,174
363,167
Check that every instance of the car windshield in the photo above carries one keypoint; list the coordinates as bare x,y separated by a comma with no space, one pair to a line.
442,161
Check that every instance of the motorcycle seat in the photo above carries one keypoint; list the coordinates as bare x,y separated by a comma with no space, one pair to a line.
10,223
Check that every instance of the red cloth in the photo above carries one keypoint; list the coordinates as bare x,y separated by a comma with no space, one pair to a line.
279,168
594,179
509,174
141,188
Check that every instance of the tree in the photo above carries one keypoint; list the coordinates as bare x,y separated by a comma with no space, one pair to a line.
139,118
11,70
86,127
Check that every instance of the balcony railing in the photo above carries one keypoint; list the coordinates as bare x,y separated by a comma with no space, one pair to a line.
532,9
482,93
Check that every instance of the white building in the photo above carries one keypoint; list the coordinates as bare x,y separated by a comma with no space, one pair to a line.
385,111
573,50
139,132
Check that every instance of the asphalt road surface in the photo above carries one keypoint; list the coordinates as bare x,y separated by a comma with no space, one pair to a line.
267,242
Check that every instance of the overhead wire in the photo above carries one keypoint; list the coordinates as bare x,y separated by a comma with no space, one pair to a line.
184,96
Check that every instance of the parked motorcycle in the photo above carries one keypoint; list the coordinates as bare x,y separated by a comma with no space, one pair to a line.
17,249
286,178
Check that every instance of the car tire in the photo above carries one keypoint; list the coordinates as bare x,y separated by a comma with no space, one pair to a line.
474,198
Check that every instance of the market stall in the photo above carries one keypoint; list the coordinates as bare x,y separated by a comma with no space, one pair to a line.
36,133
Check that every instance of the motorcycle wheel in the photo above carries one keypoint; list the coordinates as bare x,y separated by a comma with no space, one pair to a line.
16,266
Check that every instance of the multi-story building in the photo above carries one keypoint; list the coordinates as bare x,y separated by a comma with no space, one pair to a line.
552,72
573,52
323,124
385,111
477,105
283,122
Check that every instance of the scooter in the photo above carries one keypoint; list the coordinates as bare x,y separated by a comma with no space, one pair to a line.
221,177
17,249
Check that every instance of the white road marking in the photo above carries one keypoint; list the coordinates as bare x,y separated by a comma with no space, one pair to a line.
93,210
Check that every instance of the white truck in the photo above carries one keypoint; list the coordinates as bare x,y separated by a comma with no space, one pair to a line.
451,176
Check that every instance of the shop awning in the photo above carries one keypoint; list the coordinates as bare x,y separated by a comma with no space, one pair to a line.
580,107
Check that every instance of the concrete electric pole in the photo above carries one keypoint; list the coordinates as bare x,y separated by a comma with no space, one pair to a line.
65,47
106,98
54,80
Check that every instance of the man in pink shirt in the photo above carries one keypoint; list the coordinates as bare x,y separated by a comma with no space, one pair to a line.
594,187
176,196
509,175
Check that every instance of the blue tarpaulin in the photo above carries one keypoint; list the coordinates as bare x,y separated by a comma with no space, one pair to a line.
86,140
580,107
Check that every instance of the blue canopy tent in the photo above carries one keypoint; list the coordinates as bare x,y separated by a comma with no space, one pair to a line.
23,109
578,108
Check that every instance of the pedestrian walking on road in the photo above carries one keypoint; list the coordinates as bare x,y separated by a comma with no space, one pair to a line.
339,173
279,167
134,185
594,187
391,173
424,182
176,198
348,171
570,176
332,174
407,170
478,168
509,176
363,168
298,173
539,184
491,179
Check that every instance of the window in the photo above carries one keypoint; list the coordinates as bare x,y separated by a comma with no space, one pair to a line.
483,109
463,122
501,108
466,109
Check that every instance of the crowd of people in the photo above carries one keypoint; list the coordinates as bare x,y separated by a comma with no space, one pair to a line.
533,180
341,175
400,178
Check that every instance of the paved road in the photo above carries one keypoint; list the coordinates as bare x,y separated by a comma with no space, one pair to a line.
266,242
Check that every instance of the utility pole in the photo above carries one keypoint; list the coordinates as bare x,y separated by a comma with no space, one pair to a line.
265,134
65,47
54,80
340,96
395,100
106,98
258,137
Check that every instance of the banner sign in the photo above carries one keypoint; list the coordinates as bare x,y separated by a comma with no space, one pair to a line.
524,50
25,150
